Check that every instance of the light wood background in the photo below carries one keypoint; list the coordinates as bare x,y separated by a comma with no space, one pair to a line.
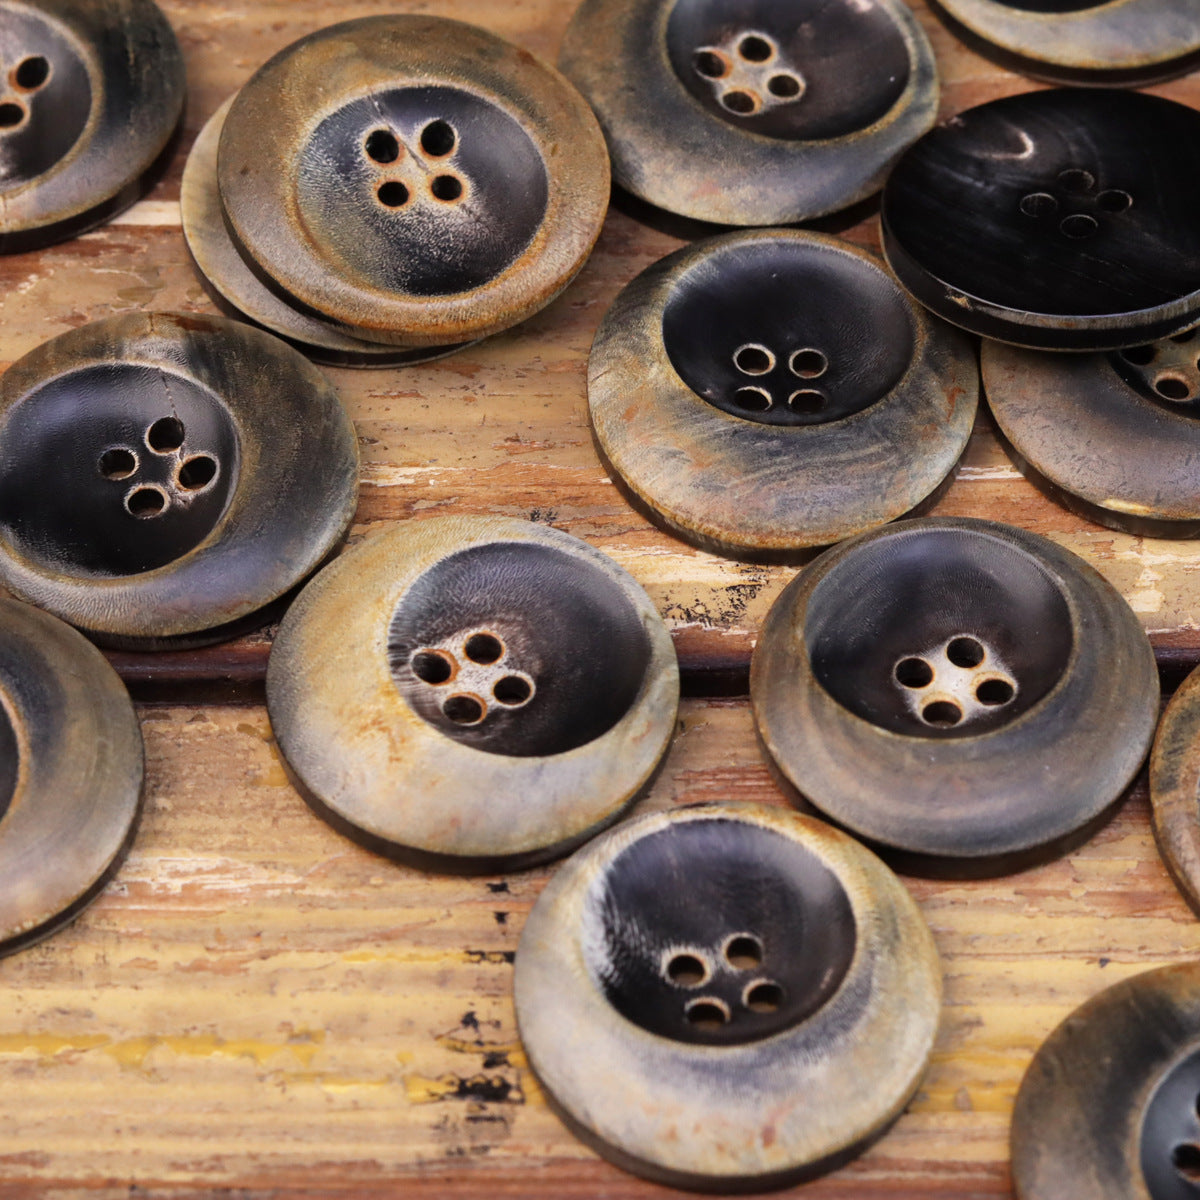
257,1005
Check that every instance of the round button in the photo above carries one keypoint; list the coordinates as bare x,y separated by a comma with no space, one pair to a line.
1175,788
90,94
1108,1109
1064,219
164,476
727,996
226,273
478,692
767,391
70,774
963,693
1113,435
447,186
761,114
1080,41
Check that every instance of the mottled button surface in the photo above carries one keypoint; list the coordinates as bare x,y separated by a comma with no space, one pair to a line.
164,476
1115,435
727,996
965,694
1175,789
1080,41
764,112
70,774
479,692
1064,219
1109,1109
768,391
445,186
90,94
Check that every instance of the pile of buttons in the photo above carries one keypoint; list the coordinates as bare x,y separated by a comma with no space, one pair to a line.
702,991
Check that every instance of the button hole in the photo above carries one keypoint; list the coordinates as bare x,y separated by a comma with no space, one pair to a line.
433,666
687,970
11,115
32,73
118,462
166,435
382,146
753,359
392,194
707,1013
438,139
484,648
146,502
464,710
743,951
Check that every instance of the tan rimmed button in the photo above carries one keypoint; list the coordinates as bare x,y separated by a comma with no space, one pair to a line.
1175,788
477,691
70,774
964,694
1113,436
163,477
703,993
753,115
1109,1109
90,93
764,392
446,186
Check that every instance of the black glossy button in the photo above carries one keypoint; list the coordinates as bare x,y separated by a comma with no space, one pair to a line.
761,113
90,94
479,692
727,996
236,286
425,182
1064,219
1114,436
163,477
965,694
70,774
1110,1106
768,391
1080,41
1175,789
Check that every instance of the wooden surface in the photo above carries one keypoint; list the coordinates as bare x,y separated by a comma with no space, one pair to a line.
257,1004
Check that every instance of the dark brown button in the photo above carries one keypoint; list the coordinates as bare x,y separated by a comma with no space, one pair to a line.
70,774
452,186
1110,1106
965,694
1114,436
1080,41
727,996
1064,219
90,94
760,114
478,693
768,391
163,476
227,274
1175,789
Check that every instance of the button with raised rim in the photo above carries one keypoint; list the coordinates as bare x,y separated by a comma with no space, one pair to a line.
70,774
90,93
761,114
447,186
164,476
475,692
1064,219
964,694
704,991
767,391
1109,1109
1175,789
1113,436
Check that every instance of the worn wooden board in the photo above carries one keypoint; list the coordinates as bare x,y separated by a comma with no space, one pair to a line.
502,427
256,1003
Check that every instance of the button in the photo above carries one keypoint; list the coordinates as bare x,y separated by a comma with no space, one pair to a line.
70,774
1064,219
727,996
163,477
1108,1107
452,186
90,93
767,391
1175,789
1113,436
474,693
753,115
226,273
965,694
1080,41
